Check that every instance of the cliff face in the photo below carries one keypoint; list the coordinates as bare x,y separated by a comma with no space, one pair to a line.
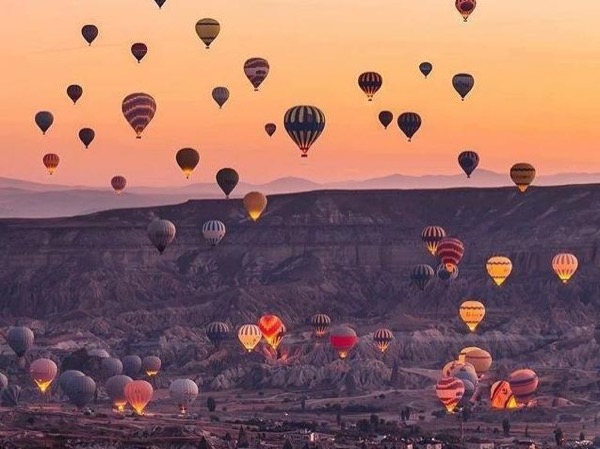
347,254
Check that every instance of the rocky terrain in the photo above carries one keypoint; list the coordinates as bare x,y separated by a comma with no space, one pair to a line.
95,281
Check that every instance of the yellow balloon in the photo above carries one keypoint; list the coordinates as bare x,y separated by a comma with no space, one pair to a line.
463,353
480,359
472,313
249,336
255,204
499,268
207,30
565,265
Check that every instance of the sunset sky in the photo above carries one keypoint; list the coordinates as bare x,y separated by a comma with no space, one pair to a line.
536,98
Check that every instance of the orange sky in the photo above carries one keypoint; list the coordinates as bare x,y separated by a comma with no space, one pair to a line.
536,97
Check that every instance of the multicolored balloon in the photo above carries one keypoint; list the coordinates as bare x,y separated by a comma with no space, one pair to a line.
370,83
382,339
256,70
565,265
139,110
304,124
522,174
431,237
272,329
501,396
250,336
450,391
207,30
465,7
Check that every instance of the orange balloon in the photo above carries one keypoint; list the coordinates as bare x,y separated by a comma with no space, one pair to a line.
272,329
139,393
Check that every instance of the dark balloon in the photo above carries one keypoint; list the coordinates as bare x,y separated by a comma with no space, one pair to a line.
187,159
425,68
139,110
370,83
304,124
160,3
74,92
227,178
44,120
409,123
118,183
270,128
139,50
463,83
89,33
217,332
385,118
465,7
86,135
468,161
422,276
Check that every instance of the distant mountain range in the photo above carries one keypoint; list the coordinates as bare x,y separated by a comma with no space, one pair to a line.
24,199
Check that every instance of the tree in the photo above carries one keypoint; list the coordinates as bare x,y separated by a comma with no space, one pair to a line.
506,427
227,437
558,436
204,444
211,404
242,440
303,403
288,444
338,418
526,431
581,436
374,420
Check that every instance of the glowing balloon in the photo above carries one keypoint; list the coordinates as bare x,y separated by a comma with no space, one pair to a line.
139,393
51,162
382,339
450,391
499,268
472,313
320,323
255,204
522,174
249,336
565,265
43,372
343,339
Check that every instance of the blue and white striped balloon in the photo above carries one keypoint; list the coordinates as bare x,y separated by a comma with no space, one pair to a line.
213,231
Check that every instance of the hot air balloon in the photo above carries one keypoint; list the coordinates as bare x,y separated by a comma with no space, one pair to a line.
464,372
151,365
132,365
100,353
256,70
139,393
115,388
249,336
468,161
382,339
80,390
187,159
343,339
3,381
422,275
139,50
213,231
522,174
425,68
472,313
89,33
480,359
74,92
450,391
304,124
499,268
220,95
111,366
139,110
409,123
160,3
272,328
44,120
445,273
450,251
255,204
465,7
9,396
463,83
43,372
565,265
217,332
370,83
227,179
453,366
385,118
20,340
468,394
523,383
320,323
184,392
431,237
51,162
270,128
501,396
86,135
65,378
463,353
118,183
161,233
207,30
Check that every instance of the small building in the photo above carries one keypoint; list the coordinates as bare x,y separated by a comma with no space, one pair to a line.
480,444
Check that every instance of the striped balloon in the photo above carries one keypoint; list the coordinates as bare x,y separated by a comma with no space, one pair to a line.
480,359
422,275
431,236
465,7
138,109
320,323
409,123
464,351
499,268
220,95
213,231
472,313
20,339
565,265
382,339
51,162
501,396
450,391
217,332
523,383
118,183
463,83
450,250
256,70
207,30
370,83
468,161
464,371
446,274
304,124
522,174
343,339
249,336
161,233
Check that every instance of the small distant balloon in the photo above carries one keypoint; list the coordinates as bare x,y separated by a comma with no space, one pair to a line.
118,183
465,7
161,233
270,128
468,161
499,268
139,110
304,124
86,135
44,120
51,162
213,231
227,179
463,83
255,204
409,123
565,265
256,70
74,92
431,237
207,30
425,68
160,3
89,33
370,83
187,159
220,95
522,174
139,50
385,118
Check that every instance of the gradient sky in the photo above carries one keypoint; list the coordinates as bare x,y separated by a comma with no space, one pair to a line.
536,96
